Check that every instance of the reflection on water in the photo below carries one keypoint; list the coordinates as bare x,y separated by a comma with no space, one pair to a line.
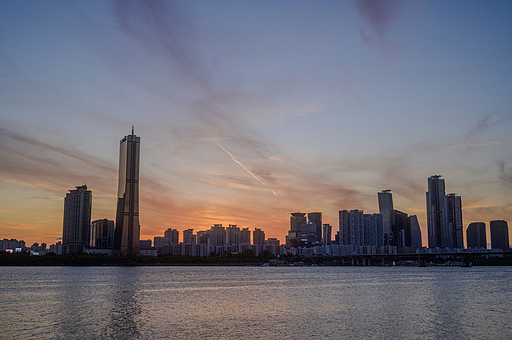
254,302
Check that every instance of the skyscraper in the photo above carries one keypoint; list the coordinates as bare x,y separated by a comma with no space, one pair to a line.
415,230
454,215
77,220
327,231
351,227
386,210
438,233
316,219
127,234
294,234
499,235
476,236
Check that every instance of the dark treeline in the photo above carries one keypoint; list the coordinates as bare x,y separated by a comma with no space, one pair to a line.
247,257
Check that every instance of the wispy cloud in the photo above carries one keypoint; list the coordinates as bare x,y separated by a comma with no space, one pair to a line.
379,14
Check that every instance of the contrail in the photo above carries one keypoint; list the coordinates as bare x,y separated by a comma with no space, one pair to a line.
233,158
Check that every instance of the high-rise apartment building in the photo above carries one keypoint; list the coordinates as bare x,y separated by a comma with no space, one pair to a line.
173,235
476,236
258,237
351,227
77,220
454,215
373,230
127,232
233,234
188,236
245,235
438,232
217,235
499,235
316,219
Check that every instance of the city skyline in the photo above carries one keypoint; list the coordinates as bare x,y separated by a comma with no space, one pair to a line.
250,111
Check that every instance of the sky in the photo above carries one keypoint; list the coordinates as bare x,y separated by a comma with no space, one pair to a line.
251,110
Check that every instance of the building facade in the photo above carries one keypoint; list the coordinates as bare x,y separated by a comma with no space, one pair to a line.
476,236
77,220
499,235
386,210
438,233
127,229
454,215
102,234
316,219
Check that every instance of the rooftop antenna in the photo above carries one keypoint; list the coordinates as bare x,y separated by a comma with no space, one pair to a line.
132,129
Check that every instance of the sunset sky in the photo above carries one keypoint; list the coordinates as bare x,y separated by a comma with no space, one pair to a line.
250,110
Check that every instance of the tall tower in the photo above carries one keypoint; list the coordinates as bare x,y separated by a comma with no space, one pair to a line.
127,233
386,210
316,219
454,215
77,220
438,233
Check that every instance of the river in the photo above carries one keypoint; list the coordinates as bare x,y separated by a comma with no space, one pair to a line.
255,302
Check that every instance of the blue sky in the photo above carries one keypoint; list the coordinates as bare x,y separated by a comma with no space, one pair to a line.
325,102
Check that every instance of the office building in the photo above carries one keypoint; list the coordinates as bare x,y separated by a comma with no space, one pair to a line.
316,219
438,232
127,229
454,215
77,220
386,210
102,234
400,235
499,235
326,234
415,231
476,236
294,234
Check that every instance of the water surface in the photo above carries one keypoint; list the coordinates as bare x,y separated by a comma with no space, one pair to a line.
255,302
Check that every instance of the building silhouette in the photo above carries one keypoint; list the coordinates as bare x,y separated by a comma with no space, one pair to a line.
233,234
386,210
327,234
415,231
127,231
102,234
77,220
476,235
499,235
438,233
316,219
351,227
454,215
295,233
